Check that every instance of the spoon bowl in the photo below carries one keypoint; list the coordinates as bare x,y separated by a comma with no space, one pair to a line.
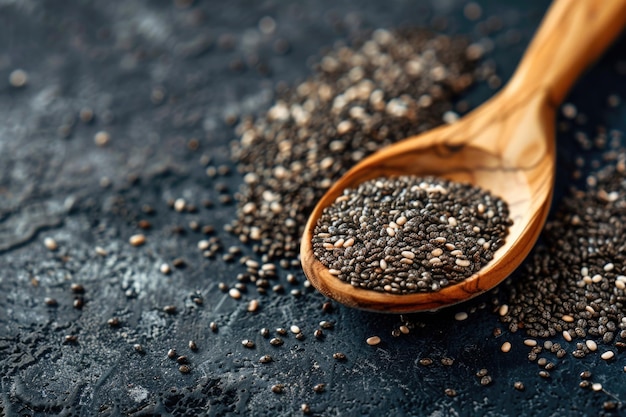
506,146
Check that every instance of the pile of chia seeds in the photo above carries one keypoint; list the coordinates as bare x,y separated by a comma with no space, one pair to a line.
390,86
574,284
410,234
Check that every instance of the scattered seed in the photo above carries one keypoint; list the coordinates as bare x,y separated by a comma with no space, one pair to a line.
247,343
373,340
50,244
608,355
278,388
506,347
50,302
265,359
113,322
450,392
486,380
253,305
102,138
425,361
18,78
447,361
276,341
461,315
319,388
184,369
518,385
137,240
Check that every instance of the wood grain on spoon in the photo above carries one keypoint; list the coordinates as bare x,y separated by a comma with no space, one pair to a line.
506,146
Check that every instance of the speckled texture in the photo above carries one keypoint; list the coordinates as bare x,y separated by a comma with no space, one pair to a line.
115,58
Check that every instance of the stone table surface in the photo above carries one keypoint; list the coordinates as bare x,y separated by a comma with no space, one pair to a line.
160,78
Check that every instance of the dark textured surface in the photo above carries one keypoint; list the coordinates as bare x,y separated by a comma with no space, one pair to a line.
110,57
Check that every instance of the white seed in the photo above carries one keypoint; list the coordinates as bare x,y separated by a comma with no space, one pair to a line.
391,232
506,347
400,221
50,243
567,336
101,251
348,243
18,78
591,345
102,138
530,342
251,263
203,245
180,204
590,309
608,355
406,261
383,264
452,221
408,254
334,272
137,240
462,262
437,252
373,341
339,243
503,310
608,267
234,293
294,329
596,386
584,271
596,278
404,329
253,305
460,316
567,318
165,269
620,284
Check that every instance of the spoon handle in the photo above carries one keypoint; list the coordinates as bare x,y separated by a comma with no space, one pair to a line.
572,34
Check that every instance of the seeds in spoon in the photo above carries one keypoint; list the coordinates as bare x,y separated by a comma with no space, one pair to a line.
411,257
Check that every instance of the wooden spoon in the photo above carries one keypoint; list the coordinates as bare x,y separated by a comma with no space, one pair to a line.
505,146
